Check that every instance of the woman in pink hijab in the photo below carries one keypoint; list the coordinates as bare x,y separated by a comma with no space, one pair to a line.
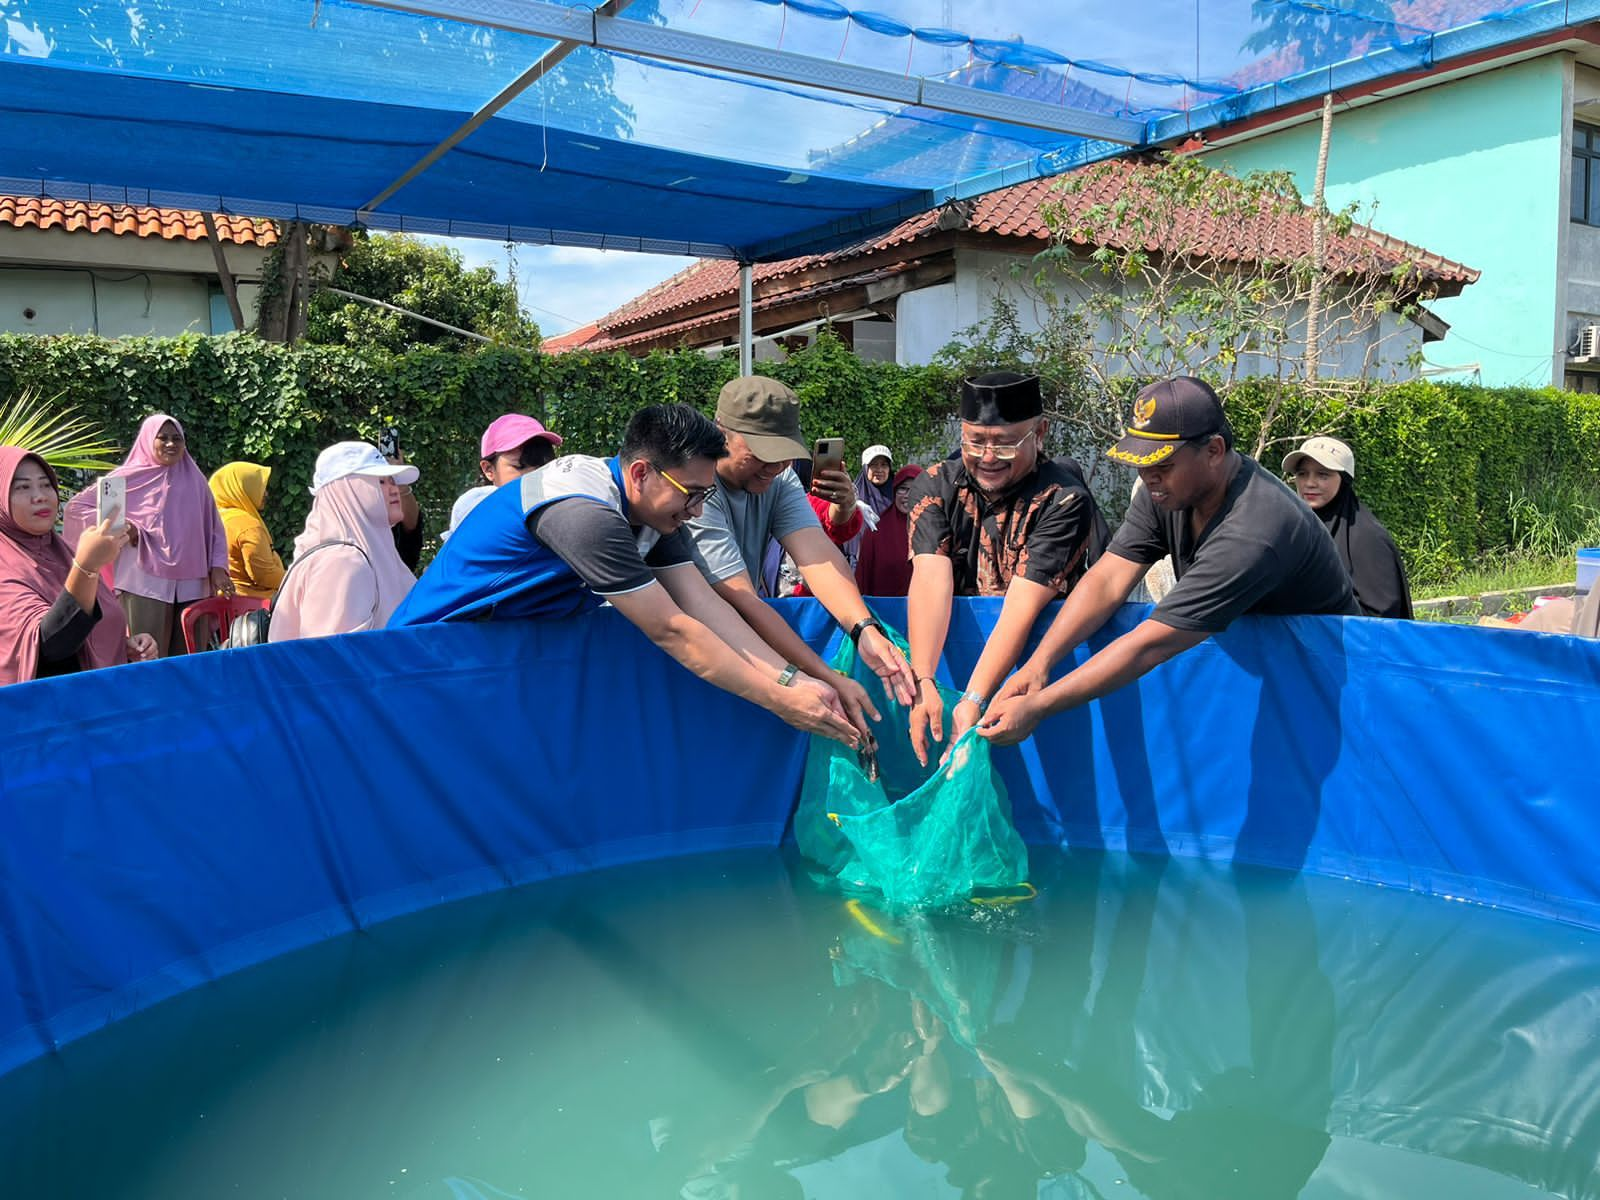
182,545
346,575
56,614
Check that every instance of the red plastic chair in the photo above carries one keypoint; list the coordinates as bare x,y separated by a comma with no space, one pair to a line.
206,622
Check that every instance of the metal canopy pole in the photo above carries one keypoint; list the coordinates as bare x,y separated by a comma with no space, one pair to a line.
747,344
542,19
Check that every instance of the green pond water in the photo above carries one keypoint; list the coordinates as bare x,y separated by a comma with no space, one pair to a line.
719,1028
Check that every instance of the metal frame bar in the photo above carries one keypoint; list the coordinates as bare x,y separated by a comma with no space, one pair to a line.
747,343
541,19
541,67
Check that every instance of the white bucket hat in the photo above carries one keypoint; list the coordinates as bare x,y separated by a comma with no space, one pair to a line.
1326,451
358,458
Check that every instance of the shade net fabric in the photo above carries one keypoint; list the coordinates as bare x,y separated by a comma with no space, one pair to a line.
557,125
913,836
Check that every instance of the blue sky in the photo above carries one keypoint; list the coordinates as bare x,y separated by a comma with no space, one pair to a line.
564,287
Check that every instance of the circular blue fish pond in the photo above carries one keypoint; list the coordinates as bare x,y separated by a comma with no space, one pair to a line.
719,1026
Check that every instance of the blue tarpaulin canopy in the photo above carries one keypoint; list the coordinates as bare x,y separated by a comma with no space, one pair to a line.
754,129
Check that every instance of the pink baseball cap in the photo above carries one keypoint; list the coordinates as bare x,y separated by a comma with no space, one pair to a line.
513,430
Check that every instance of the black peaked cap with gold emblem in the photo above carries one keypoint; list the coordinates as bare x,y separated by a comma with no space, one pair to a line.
1165,416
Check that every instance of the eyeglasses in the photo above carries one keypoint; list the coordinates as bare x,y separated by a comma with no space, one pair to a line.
697,497
1002,452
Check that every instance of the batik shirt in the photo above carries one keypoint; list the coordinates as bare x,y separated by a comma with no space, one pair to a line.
1043,528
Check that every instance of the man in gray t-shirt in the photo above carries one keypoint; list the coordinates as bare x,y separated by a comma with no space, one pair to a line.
1240,542
759,497
731,536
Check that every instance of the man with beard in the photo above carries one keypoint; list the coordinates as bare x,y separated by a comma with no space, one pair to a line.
1240,540
997,520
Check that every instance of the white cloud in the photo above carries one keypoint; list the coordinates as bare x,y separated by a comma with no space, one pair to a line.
565,286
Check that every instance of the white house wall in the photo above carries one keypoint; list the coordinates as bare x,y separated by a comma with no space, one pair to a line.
929,319
116,285
112,304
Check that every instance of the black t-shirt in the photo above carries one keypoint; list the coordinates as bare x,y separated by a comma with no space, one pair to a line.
598,544
1041,529
1264,552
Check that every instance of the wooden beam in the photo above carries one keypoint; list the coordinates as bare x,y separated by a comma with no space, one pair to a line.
229,289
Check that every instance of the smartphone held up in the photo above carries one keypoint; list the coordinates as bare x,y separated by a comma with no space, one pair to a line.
827,454
111,501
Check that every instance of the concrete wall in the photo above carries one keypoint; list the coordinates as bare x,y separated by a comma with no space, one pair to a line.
1472,169
928,319
113,305
116,286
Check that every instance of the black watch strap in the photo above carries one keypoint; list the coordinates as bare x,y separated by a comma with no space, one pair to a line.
868,622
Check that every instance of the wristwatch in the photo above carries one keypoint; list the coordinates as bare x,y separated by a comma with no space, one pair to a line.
861,626
786,676
977,698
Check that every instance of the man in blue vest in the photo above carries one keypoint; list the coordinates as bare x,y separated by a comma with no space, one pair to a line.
582,531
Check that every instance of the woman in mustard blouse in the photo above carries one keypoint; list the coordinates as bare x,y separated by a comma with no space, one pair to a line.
241,492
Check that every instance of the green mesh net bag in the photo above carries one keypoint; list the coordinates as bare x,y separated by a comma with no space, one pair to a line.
919,837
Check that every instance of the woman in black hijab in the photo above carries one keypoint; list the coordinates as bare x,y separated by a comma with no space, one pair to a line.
1323,471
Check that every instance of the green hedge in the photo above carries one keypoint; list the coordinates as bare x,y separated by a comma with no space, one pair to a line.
1439,464
240,398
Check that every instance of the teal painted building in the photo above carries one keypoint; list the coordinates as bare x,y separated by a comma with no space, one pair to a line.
1476,167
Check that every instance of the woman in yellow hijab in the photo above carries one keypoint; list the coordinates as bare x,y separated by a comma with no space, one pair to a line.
241,491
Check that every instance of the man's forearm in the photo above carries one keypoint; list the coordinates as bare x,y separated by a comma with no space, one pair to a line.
830,581
701,651
690,591
775,632
1087,607
1142,649
928,612
1023,603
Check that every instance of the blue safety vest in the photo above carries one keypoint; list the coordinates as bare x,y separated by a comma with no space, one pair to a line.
493,568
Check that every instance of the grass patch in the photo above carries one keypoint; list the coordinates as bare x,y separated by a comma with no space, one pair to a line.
1507,573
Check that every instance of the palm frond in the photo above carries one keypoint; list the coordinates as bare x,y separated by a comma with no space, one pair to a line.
53,430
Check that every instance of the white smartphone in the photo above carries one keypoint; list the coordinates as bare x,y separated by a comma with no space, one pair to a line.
827,455
111,498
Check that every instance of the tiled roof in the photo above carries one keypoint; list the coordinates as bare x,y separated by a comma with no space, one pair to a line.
1012,212
573,339
170,224
655,334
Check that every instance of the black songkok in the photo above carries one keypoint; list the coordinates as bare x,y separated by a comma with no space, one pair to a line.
1001,398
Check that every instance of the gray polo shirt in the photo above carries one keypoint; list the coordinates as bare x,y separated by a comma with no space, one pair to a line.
731,535
1264,552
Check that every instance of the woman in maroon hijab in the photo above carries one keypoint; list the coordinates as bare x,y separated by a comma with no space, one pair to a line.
884,568
56,615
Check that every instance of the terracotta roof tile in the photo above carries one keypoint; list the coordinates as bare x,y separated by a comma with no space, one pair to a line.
169,224
1015,212
573,339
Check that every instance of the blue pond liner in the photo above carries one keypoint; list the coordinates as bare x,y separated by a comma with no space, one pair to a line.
166,824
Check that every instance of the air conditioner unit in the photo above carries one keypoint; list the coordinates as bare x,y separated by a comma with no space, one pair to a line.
1588,344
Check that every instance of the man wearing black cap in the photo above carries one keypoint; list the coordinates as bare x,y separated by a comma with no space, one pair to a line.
758,498
1240,540
998,520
